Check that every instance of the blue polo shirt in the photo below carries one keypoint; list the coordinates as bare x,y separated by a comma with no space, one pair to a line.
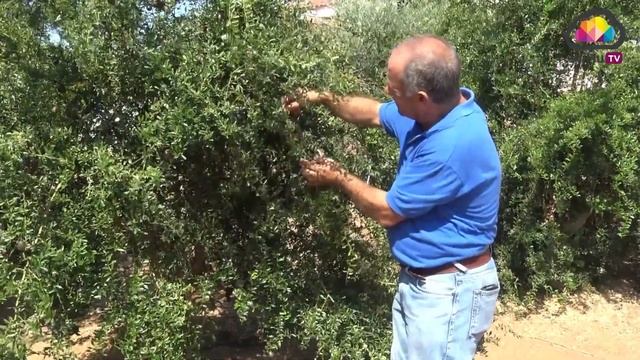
447,186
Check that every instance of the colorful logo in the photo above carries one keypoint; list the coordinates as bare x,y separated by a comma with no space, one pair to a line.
597,28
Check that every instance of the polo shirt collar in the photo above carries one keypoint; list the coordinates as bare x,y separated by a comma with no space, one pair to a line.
457,112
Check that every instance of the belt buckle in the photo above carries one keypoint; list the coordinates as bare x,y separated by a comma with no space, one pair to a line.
463,269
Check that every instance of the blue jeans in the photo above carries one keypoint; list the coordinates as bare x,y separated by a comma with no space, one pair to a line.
443,316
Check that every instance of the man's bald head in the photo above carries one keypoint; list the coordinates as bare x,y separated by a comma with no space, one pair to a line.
427,63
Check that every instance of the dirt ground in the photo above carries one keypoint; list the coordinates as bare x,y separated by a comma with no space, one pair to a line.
594,325
601,325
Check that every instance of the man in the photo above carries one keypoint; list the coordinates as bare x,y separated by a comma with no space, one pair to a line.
441,211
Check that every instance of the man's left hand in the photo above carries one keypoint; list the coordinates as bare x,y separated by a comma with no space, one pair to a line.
322,171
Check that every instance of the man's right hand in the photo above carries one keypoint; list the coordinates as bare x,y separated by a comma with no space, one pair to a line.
293,104
360,111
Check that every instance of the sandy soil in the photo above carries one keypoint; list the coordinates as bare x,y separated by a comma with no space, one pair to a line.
603,325
594,325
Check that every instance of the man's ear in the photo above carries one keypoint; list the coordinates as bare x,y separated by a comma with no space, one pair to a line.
423,97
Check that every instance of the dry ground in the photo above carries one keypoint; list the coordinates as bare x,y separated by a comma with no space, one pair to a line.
601,325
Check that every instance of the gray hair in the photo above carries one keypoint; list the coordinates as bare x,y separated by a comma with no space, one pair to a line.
438,76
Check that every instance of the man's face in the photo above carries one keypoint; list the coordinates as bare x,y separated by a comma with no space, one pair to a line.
407,105
396,91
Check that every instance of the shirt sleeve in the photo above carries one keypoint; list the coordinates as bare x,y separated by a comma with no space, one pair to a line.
388,111
420,186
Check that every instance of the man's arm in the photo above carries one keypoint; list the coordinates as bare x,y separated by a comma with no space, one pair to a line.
370,200
360,111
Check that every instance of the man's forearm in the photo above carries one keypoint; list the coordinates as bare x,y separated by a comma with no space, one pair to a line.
360,111
370,200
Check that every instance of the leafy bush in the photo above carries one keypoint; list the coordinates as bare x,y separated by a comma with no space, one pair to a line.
571,201
150,143
515,55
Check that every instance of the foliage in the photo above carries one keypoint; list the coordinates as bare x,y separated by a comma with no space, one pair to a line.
571,201
515,55
146,141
